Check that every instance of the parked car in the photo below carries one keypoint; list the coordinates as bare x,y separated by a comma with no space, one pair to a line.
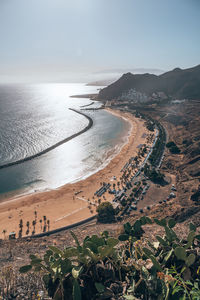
134,207
172,195
173,189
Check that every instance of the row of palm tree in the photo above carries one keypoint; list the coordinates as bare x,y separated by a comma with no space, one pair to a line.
44,226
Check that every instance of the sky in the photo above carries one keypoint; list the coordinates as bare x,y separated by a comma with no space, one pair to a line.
73,40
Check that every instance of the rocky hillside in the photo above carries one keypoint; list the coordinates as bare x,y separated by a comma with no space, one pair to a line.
178,83
181,121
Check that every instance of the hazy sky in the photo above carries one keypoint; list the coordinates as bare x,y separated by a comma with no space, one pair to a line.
64,40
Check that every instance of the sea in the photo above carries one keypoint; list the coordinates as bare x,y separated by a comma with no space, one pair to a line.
34,117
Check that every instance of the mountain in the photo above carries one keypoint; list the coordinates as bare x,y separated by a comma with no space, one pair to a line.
178,83
132,70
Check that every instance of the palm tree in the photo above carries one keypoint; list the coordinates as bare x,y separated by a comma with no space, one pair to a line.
28,224
41,224
48,223
34,223
45,218
136,160
4,233
21,224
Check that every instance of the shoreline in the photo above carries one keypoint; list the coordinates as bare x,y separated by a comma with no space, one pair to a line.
90,96
61,206
16,194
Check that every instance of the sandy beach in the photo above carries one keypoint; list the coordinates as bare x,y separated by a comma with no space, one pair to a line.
69,203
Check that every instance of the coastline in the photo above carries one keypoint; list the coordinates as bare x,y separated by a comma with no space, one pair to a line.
61,206
16,194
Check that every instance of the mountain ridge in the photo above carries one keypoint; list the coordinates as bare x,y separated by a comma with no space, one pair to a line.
177,83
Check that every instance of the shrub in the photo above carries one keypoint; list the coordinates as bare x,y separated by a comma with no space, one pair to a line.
174,150
153,175
130,267
196,196
106,212
187,142
81,272
150,125
124,202
170,144
166,269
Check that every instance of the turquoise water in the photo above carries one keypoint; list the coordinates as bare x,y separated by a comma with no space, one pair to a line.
34,117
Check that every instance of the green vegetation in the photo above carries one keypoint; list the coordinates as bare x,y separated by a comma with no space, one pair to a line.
159,146
153,175
170,144
130,267
196,196
173,148
106,213
150,125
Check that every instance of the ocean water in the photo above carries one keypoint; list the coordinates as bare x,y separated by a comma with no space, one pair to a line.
35,117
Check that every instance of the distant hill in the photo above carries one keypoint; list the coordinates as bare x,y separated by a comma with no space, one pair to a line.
107,77
178,83
103,82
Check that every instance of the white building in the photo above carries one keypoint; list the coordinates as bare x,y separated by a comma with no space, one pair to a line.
134,96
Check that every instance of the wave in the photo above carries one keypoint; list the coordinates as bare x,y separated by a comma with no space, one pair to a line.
108,155
90,124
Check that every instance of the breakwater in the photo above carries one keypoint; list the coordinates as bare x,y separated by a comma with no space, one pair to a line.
87,104
90,123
